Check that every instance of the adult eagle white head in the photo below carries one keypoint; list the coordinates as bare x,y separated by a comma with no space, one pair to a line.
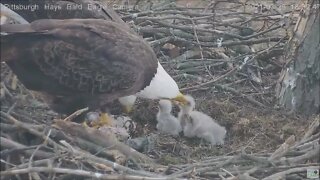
77,63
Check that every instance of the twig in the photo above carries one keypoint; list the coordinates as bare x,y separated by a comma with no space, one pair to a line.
261,33
283,149
32,131
227,172
160,42
312,128
75,114
77,172
12,107
6,89
210,82
190,168
200,47
104,139
283,174
115,166
7,143
310,155
35,151
188,28
41,162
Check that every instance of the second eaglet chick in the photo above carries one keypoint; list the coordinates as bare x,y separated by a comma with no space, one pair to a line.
198,124
167,123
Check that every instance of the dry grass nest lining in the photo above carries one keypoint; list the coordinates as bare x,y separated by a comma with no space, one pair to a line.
260,142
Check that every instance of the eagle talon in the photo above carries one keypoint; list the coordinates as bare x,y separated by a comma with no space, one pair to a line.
97,121
84,124
105,119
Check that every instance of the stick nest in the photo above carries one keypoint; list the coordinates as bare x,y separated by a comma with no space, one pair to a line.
228,55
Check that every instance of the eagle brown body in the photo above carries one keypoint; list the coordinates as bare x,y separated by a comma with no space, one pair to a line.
104,11
77,63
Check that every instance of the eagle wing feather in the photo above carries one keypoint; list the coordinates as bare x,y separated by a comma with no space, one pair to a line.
79,56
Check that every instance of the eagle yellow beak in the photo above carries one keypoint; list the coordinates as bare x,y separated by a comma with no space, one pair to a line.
180,99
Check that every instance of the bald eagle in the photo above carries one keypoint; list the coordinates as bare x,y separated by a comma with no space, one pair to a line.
87,62
102,11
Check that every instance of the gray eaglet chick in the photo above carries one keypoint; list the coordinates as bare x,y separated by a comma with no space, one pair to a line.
198,124
166,121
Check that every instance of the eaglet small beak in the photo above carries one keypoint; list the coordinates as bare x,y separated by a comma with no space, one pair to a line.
180,99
